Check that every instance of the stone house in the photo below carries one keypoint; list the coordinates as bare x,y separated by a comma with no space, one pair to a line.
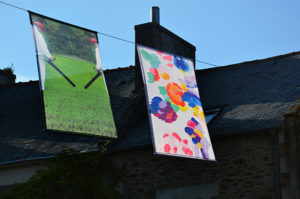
253,113
254,135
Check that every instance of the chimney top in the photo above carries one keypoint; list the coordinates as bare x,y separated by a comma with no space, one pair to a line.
7,77
155,14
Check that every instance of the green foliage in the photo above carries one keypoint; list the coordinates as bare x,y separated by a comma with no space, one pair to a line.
68,40
76,176
76,109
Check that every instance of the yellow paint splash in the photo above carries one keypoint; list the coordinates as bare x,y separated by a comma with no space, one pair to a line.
199,145
183,86
198,132
165,76
183,108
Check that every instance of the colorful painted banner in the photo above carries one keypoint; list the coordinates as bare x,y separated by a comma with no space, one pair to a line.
71,78
175,111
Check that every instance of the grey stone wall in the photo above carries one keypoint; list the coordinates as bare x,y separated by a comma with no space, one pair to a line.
244,170
289,148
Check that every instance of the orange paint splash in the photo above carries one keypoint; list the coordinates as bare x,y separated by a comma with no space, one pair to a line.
175,93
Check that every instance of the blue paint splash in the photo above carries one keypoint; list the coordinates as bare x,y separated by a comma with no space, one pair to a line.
189,130
154,106
181,64
191,99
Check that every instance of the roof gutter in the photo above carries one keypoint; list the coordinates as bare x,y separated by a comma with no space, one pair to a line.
40,158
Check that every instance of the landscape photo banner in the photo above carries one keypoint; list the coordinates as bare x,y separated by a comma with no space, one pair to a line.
175,111
72,82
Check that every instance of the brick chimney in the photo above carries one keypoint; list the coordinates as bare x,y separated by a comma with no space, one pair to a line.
156,36
6,78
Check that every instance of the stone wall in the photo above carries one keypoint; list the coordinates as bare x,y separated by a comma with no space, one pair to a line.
289,148
244,169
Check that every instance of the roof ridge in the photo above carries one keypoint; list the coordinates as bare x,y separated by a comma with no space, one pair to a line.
119,69
250,62
31,82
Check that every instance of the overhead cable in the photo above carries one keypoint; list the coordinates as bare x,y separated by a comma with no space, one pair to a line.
104,34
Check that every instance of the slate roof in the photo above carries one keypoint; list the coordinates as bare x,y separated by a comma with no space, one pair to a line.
22,134
254,96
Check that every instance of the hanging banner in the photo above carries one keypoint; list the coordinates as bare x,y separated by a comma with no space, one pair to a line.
71,78
175,111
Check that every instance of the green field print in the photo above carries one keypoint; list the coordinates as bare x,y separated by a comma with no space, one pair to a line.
76,109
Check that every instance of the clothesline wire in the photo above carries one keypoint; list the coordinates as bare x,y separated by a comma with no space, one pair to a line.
134,43
124,40
13,6
104,34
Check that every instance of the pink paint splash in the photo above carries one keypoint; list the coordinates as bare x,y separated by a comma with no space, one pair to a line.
187,151
191,124
155,72
175,144
175,149
170,65
185,141
167,148
159,52
168,58
177,136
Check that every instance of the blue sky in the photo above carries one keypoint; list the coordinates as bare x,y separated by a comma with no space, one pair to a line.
224,32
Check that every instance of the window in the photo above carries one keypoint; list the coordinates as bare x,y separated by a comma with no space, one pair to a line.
209,117
211,113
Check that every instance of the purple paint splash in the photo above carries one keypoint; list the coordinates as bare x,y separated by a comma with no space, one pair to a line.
163,110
